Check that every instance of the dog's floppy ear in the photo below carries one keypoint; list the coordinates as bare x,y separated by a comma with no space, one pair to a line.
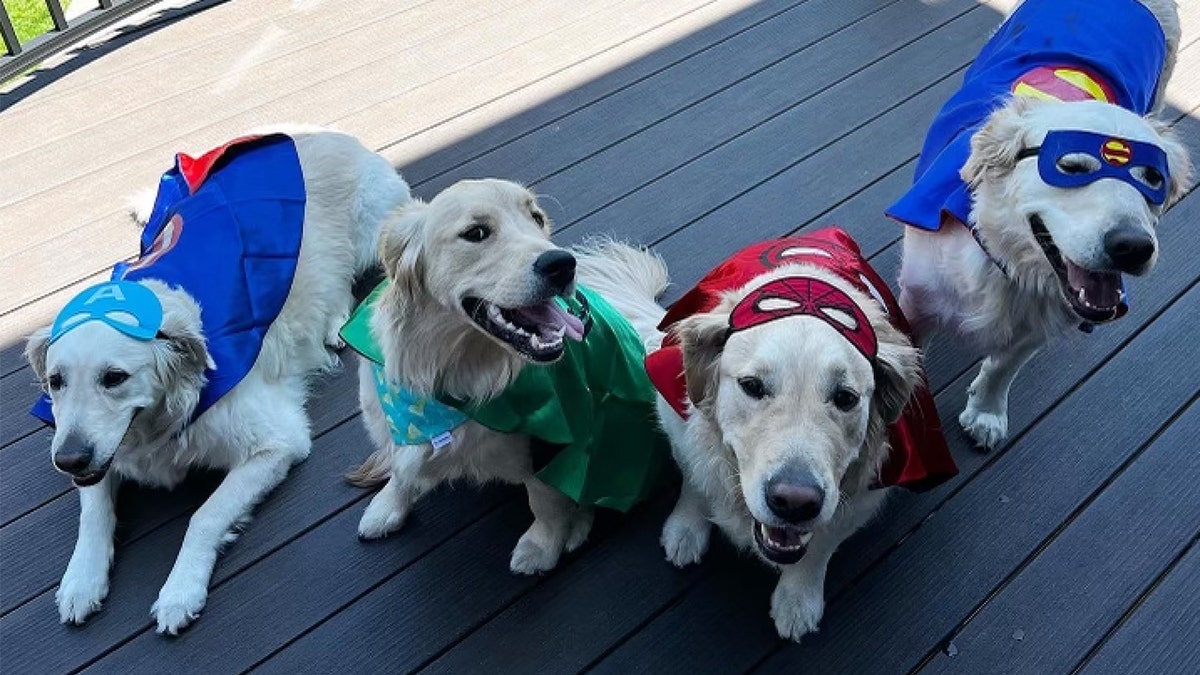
180,353
702,338
995,146
897,372
35,351
400,248
1179,162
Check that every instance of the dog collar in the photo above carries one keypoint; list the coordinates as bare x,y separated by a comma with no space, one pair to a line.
125,306
1116,158
806,296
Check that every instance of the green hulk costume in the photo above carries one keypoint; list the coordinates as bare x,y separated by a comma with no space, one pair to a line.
593,408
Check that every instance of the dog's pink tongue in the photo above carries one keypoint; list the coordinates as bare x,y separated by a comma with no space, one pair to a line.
552,315
1097,290
785,537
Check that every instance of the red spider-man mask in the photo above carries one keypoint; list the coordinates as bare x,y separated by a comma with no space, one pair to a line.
806,296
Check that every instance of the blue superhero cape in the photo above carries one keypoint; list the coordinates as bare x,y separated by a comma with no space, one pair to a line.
226,227
1108,50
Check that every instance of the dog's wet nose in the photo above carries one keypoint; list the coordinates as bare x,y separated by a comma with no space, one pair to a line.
796,497
73,456
1130,247
557,267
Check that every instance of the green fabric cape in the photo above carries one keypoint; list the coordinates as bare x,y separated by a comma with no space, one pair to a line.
595,405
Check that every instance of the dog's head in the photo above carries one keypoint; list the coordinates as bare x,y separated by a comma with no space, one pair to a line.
801,410
1080,238
109,389
475,279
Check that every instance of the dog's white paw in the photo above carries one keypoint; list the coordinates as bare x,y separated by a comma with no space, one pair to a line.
581,527
533,555
685,540
177,607
381,518
79,596
987,428
797,609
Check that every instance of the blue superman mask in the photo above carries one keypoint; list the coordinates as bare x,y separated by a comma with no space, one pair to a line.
1118,157
125,306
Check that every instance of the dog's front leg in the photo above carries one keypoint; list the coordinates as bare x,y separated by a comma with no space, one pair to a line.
985,419
85,583
798,602
685,534
389,508
183,595
558,525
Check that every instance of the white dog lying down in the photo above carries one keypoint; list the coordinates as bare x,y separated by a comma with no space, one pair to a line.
473,364
1040,184
199,356
779,380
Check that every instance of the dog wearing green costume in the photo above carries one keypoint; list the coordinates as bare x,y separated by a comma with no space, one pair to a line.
482,359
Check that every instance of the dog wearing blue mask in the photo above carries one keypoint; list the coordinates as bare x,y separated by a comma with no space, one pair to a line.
198,352
1040,185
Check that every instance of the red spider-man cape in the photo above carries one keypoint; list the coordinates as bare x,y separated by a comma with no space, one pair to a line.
920,459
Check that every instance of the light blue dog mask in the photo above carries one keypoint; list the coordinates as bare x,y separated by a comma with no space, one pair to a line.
126,306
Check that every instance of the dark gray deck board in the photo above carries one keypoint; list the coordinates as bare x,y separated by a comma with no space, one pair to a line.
1160,636
1090,573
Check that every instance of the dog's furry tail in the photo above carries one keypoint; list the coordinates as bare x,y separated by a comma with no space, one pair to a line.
372,472
629,278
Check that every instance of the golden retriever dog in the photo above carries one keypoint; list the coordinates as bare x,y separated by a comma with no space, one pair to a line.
1040,185
476,302
166,368
779,377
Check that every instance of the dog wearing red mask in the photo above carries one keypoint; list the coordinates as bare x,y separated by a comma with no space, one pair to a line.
793,397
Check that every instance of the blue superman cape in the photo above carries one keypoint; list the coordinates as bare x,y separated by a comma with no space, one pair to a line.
226,227
1108,50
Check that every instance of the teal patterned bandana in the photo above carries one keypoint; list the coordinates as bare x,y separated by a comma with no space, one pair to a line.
415,419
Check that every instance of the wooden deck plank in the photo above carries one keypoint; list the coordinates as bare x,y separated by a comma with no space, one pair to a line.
1050,615
250,37
1160,637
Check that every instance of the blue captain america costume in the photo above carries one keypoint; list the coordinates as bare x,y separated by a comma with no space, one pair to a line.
226,227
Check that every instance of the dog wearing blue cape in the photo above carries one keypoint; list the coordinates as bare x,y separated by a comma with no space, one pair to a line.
199,352
484,360
1039,187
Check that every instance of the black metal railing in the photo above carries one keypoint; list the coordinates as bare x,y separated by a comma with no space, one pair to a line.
20,56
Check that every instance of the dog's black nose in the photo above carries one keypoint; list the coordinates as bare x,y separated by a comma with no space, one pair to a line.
796,497
73,456
557,267
1129,247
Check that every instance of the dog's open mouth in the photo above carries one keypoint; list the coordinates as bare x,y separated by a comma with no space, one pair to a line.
781,545
536,332
1094,296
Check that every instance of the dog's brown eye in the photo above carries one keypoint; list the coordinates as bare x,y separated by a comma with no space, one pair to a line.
538,218
845,399
113,377
476,233
1077,163
753,387
1149,175
54,382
